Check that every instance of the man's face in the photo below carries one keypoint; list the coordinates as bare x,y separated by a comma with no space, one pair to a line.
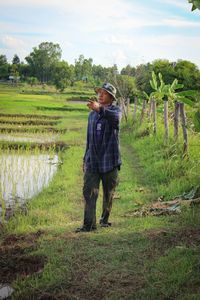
104,98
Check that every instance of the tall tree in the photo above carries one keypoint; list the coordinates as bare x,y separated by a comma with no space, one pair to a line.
128,70
143,76
83,68
4,67
188,74
63,75
166,68
99,74
42,60
16,60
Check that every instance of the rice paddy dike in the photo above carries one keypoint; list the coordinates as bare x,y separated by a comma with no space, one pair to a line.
42,142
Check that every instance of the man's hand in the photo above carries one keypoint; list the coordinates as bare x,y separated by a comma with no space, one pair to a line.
93,105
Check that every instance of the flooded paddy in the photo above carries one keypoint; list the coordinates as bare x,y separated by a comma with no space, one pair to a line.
22,176
28,160
27,137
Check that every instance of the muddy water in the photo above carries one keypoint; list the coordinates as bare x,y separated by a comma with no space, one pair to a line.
24,176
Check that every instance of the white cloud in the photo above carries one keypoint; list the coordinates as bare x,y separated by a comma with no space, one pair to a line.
118,57
118,40
180,23
12,42
171,47
178,3
109,31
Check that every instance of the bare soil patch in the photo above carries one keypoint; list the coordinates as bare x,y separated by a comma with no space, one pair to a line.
163,239
16,258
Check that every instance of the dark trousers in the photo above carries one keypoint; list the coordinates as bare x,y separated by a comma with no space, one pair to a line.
91,191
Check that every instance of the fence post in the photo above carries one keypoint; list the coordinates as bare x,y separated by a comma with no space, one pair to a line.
176,119
154,116
135,108
143,111
150,109
122,105
166,120
184,127
128,106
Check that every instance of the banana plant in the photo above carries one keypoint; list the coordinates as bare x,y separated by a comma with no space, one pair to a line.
160,91
179,96
195,4
159,87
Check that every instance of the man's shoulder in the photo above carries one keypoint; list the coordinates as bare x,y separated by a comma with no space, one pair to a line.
92,115
115,107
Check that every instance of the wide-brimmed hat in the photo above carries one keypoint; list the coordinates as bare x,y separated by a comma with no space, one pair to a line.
108,87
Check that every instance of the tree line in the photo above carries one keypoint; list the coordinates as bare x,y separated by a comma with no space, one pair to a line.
44,65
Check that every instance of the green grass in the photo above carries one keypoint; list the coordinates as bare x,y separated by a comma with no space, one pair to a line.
136,258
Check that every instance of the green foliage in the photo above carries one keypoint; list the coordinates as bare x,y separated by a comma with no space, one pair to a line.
63,75
170,91
185,71
159,86
16,60
4,67
32,80
42,59
125,85
195,4
128,70
179,96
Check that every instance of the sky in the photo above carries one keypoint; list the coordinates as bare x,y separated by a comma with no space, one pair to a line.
108,31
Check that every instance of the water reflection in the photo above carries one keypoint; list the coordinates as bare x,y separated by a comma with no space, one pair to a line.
24,176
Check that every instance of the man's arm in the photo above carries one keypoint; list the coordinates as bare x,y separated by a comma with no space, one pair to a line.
112,114
87,146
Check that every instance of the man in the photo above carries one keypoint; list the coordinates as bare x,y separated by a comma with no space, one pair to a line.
102,156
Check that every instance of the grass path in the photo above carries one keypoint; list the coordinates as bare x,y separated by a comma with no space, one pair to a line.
134,259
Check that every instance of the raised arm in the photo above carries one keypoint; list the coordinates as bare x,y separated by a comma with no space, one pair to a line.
113,114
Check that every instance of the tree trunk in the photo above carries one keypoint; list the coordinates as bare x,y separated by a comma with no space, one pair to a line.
143,111
176,119
154,116
184,127
166,120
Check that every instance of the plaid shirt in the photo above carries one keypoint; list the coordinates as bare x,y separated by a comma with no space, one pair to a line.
103,157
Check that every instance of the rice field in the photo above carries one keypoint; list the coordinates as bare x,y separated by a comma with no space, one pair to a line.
34,128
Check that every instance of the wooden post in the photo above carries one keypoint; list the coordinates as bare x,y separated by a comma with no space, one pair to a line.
150,109
128,106
166,120
154,116
184,127
122,100
135,109
143,110
176,119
